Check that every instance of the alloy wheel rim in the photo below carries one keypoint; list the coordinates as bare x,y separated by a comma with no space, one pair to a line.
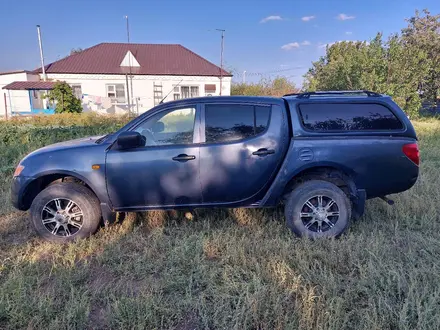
319,213
62,217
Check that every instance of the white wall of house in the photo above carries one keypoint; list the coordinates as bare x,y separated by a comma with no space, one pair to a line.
95,85
16,101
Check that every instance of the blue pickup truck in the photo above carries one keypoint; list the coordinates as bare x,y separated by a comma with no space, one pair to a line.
320,154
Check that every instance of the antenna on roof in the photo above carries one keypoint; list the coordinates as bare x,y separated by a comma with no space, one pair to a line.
161,101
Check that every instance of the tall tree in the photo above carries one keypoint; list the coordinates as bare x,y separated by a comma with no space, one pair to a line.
406,66
423,34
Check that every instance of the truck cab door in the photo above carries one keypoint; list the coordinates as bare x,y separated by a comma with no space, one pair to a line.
165,172
242,148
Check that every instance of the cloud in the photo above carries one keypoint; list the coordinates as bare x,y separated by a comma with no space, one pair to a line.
348,33
307,18
271,18
306,43
290,46
344,17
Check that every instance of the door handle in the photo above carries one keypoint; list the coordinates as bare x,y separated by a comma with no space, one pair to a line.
184,158
263,152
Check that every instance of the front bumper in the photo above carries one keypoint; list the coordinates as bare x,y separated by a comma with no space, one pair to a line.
18,190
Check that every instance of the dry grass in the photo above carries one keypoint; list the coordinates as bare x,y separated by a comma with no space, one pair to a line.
233,269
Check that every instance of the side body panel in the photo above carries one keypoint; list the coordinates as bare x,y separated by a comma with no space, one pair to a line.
72,158
148,177
151,177
375,164
231,174
374,160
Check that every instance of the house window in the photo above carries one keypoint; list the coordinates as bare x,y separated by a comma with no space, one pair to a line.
184,92
76,89
194,91
189,91
210,89
116,92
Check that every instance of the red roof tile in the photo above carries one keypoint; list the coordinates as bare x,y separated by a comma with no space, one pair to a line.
154,59
25,85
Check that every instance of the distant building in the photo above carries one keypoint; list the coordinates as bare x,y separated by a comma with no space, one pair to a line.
99,75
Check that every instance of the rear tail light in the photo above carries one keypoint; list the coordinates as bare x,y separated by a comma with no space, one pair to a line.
412,152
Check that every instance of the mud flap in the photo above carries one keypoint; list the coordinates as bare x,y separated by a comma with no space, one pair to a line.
359,204
108,216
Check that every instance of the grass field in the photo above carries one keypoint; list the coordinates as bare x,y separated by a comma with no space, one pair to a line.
230,269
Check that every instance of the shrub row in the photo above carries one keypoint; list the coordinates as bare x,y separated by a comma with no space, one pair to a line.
37,136
20,136
66,119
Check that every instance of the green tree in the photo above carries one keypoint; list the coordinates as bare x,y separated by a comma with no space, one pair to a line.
74,51
423,34
406,66
64,99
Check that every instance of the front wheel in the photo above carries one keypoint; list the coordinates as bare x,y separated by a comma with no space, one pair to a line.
317,209
65,211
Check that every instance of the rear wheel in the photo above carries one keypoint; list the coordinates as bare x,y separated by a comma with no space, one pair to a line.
317,209
65,211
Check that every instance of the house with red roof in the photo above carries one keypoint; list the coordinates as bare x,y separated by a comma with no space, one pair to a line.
116,77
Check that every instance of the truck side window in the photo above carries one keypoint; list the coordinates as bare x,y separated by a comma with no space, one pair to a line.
169,127
233,122
261,118
348,117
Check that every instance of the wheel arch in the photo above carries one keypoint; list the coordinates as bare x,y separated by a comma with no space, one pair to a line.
45,179
332,172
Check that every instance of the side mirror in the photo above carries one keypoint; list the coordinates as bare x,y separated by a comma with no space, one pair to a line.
129,140
158,127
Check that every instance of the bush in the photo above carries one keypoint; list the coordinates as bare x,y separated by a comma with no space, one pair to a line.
68,119
20,136
64,99
277,87
42,130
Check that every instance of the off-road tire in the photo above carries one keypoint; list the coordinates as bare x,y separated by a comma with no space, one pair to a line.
296,200
84,198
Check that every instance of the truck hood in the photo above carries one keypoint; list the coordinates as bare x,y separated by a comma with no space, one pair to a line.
75,156
71,144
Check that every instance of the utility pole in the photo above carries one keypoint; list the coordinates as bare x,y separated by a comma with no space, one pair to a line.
129,60
6,106
221,58
41,53
128,30
244,77
126,76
